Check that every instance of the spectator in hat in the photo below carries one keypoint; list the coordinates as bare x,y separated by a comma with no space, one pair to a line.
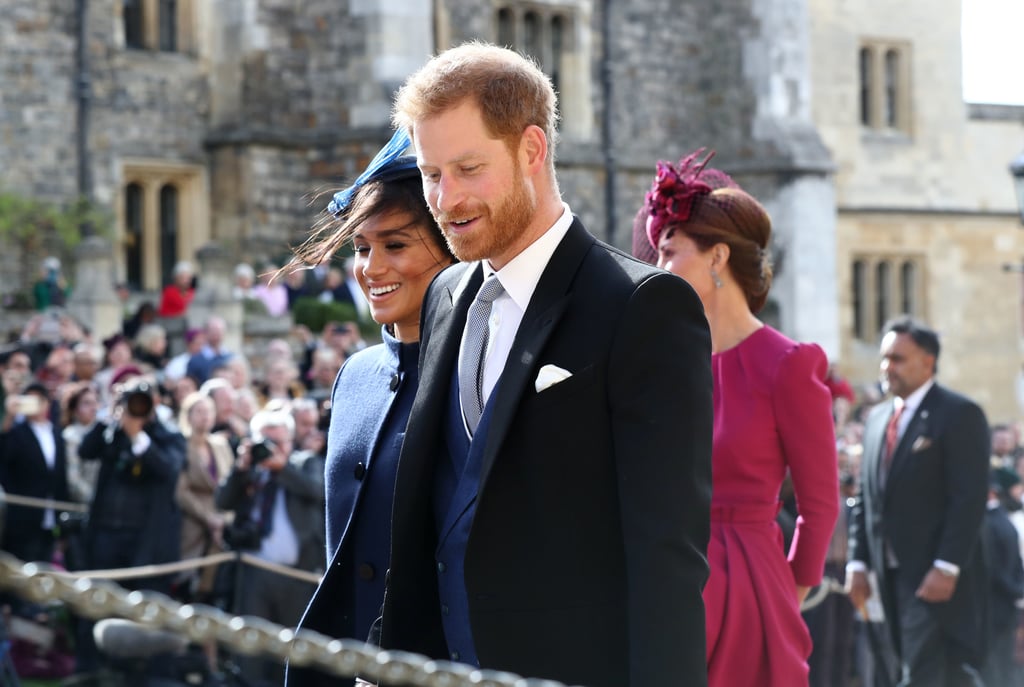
213,353
195,339
51,289
118,353
177,295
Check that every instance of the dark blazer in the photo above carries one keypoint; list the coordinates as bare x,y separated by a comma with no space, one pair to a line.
153,485
23,472
1005,570
586,558
369,410
932,507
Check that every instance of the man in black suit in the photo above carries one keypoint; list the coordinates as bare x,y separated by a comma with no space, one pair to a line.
917,522
552,500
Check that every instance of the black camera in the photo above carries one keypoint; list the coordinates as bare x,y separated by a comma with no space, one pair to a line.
261,450
138,399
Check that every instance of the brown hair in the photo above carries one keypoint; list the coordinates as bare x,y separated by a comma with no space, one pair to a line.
371,199
734,217
72,397
511,91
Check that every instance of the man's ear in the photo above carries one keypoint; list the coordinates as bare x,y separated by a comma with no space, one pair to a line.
533,149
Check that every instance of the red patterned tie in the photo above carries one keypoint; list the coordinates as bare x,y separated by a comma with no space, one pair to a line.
892,433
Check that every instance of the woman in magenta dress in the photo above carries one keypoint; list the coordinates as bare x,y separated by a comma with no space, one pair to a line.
772,416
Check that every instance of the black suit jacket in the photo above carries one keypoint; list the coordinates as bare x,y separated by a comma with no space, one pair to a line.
587,554
23,471
932,506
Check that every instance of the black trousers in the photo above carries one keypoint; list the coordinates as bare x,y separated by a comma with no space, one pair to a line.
929,657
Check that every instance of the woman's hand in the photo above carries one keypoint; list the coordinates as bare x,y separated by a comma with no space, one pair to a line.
801,593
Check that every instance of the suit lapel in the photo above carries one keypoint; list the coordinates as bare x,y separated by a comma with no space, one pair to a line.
917,428
874,446
547,305
447,323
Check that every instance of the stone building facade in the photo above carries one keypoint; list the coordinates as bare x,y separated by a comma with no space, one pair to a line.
926,211
219,122
205,124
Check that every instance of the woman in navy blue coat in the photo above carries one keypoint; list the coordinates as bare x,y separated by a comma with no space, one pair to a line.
398,250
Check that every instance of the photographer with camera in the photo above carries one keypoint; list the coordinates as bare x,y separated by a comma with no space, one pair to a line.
277,495
134,518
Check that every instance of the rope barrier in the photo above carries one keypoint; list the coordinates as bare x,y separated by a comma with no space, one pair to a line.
33,502
155,570
249,635
93,594
829,585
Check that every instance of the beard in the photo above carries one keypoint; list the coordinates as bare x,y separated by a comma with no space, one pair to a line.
503,225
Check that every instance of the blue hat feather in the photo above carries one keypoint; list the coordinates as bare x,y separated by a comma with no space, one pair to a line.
387,165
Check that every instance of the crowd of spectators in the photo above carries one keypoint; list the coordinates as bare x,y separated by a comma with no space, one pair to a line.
175,449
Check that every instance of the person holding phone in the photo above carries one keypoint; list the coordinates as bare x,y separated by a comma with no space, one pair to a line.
32,463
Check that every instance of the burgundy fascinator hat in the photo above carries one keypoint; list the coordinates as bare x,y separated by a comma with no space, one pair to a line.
671,199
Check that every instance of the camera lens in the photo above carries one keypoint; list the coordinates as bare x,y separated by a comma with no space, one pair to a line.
261,450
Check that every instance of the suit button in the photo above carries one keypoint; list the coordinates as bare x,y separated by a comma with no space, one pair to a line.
360,471
366,572
441,567
455,655
444,609
395,379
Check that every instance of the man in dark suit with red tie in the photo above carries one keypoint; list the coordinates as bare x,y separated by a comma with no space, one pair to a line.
917,521
553,492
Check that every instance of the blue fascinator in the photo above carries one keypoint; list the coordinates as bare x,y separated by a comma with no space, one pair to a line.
387,165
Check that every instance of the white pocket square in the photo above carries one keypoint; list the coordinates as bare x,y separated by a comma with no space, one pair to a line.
550,375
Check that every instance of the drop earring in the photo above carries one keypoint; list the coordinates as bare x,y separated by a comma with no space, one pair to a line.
716,279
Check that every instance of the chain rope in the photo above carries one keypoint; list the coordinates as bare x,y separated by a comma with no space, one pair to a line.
93,594
98,599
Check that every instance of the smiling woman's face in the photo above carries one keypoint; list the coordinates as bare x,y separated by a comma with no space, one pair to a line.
395,260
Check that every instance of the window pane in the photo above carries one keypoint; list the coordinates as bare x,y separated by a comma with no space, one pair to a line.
865,86
882,295
133,201
168,25
892,65
857,300
557,46
531,37
131,13
506,29
168,232
908,288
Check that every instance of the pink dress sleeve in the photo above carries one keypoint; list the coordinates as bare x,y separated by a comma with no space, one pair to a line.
803,412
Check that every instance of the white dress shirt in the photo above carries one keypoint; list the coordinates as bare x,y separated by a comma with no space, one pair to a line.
519,278
48,445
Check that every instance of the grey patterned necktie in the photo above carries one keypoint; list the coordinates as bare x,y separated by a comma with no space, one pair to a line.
473,347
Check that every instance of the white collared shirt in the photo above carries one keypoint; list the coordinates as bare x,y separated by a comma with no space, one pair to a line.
519,278
910,405
43,432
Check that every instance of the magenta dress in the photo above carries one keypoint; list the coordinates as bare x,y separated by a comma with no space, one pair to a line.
772,412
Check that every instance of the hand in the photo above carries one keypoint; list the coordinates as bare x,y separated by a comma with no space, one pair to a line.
801,593
859,590
243,460
936,587
303,333
132,425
